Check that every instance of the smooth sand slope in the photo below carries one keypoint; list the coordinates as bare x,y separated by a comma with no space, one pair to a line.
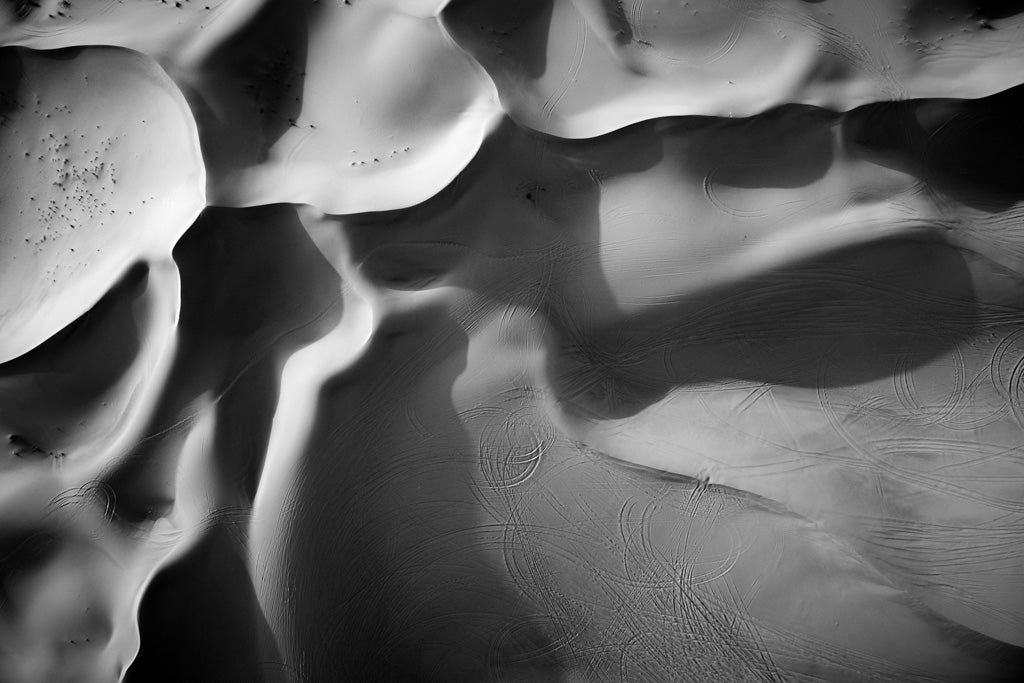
511,340
586,67
80,203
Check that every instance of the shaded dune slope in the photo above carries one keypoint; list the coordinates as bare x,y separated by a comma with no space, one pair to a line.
512,341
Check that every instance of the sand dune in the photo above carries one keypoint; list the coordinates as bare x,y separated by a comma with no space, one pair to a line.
80,203
335,113
587,67
515,341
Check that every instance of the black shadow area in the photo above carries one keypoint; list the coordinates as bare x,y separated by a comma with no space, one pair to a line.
200,620
250,88
387,570
254,290
496,31
57,391
970,150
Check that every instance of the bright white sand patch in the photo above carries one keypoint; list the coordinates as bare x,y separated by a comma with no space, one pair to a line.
79,200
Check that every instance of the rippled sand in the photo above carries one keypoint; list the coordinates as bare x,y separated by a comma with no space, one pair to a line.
511,340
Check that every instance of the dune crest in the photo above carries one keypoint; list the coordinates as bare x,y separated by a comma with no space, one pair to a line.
511,340
587,67
339,114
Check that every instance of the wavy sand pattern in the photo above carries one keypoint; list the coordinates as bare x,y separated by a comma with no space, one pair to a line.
511,340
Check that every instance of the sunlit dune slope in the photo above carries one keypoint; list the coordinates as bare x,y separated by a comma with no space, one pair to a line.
101,169
511,340
586,67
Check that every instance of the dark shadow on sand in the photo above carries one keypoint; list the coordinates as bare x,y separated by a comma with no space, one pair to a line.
252,88
510,28
523,231
51,392
970,150
386,564
200,620
254,290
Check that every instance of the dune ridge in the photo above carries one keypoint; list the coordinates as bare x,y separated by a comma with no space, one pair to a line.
528,340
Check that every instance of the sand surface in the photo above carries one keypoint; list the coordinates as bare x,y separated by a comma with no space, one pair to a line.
511,340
